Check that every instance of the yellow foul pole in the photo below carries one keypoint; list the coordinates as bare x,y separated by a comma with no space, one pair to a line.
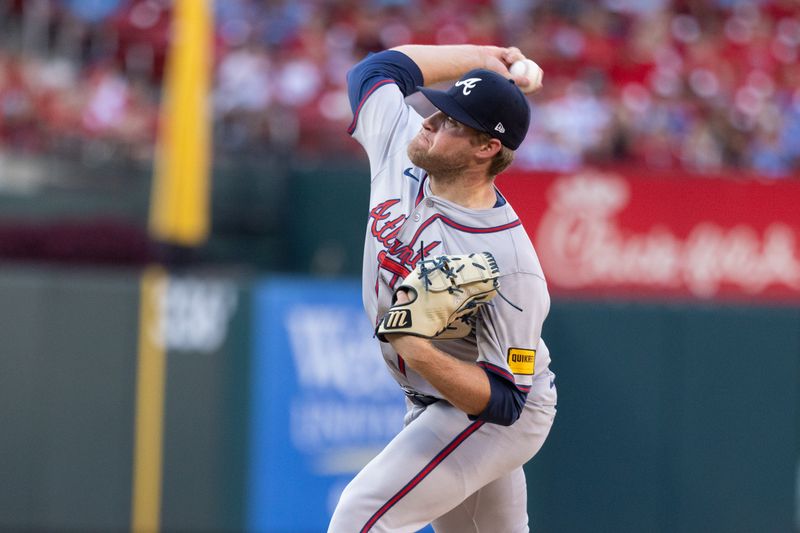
149,421
179,214
179,209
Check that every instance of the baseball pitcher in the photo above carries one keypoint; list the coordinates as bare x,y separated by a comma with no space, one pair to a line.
456,291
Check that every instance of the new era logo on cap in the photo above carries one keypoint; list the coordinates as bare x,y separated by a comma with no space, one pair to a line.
486,101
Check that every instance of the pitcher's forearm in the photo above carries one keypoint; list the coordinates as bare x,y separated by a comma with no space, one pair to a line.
463,384
450,62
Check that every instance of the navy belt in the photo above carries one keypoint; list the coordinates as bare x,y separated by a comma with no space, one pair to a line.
422,400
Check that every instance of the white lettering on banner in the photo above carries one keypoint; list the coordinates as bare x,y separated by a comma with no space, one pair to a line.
333,349
319,424
194,314
582,245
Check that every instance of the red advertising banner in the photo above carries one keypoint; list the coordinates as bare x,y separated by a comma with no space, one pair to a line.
617,233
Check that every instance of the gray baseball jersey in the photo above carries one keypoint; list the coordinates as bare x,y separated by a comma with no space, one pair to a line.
434,470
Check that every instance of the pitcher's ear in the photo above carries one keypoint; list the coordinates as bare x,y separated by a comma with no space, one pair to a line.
489,149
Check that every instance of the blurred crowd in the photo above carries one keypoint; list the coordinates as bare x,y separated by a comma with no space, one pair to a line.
709,86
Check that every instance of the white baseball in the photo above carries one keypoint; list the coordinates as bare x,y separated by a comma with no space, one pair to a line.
530,70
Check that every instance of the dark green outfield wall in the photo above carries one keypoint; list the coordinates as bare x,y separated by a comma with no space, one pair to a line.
672,418
66,398
68,364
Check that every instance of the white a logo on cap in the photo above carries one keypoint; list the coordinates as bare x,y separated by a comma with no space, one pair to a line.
500,127
468,84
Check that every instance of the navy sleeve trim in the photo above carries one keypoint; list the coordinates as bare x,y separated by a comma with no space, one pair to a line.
505,403
389,66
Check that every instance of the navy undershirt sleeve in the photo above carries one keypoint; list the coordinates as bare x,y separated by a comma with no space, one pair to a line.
505,403
375,68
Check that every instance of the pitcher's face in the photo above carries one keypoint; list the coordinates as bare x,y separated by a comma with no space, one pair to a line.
442,146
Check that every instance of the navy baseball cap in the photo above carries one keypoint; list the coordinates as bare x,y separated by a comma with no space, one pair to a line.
488,102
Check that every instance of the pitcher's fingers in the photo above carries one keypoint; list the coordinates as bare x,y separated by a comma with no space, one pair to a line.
402,297
512,54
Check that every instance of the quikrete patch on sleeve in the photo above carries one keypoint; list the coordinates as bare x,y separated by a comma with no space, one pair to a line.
521,361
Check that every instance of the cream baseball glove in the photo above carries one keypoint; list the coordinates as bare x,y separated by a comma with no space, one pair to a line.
444,292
